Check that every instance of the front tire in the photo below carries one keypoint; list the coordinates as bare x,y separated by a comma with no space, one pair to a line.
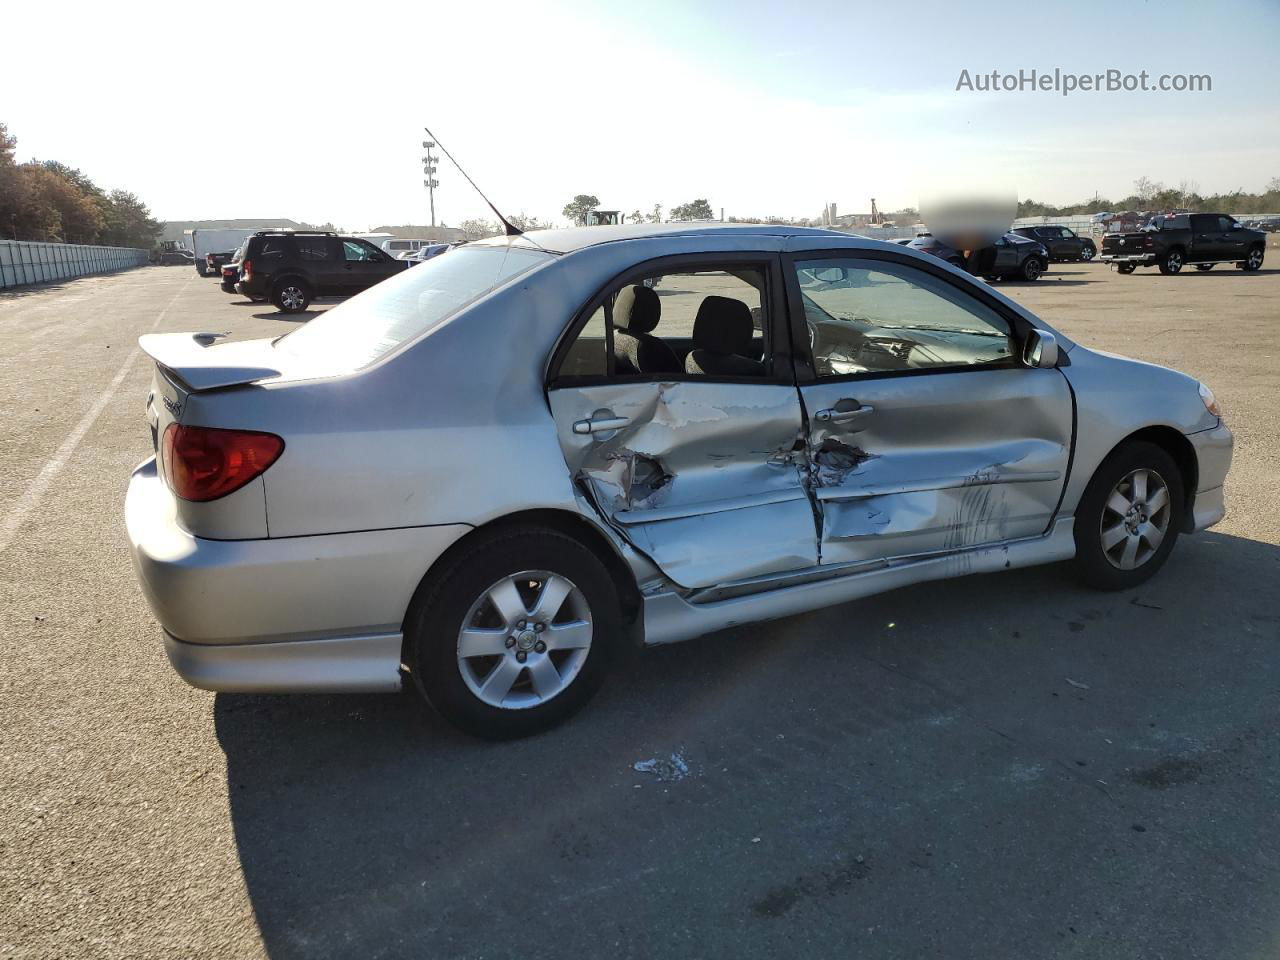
1171,262
1128,519
1031,269
291,296
1088,253
517,635
1254,261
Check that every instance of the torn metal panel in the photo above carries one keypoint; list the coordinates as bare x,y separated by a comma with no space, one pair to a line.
707,479
939,463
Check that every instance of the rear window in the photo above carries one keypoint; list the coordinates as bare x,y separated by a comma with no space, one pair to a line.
396,311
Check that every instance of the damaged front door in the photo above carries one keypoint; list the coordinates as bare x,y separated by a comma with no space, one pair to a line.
692,448
927,435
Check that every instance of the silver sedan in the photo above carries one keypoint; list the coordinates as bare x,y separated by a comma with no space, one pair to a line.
489,475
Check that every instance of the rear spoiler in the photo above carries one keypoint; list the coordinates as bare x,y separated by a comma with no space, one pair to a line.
193,359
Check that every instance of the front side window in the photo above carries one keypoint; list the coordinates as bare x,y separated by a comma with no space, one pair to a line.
353,250
872,317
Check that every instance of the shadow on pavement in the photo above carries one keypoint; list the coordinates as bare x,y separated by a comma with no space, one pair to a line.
866,779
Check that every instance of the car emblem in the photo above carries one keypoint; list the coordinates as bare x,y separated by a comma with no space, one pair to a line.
173,408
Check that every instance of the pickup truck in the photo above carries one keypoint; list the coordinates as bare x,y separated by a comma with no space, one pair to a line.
1202,239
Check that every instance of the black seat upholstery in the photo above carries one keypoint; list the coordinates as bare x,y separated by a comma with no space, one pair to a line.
722,334
636,312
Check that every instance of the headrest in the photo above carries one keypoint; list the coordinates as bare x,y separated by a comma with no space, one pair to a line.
723,325
637,309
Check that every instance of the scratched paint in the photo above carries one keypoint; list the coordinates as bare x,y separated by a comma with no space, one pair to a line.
707,479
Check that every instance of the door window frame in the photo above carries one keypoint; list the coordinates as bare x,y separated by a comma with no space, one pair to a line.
806,371
775,325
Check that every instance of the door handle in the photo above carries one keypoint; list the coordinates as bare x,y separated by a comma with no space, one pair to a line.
600,424
836,415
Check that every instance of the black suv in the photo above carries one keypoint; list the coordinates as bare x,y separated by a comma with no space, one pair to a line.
1061,242
292,268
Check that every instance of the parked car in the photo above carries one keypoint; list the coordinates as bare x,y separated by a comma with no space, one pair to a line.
1062,244
1203,239
425,253
1011,257
292,268
491,474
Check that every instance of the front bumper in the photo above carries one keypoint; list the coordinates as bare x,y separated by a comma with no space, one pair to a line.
292,613
1213,455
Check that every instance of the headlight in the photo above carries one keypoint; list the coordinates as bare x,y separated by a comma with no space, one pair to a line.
1210,404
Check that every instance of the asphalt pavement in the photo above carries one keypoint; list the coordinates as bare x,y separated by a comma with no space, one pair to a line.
999,766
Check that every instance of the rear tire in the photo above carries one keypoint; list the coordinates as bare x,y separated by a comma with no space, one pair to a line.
1128,518
291,296
1172,262
493,692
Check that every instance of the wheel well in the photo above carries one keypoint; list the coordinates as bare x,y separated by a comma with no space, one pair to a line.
1184,455
562,521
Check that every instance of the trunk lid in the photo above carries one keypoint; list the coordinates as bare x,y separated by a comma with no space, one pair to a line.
196,361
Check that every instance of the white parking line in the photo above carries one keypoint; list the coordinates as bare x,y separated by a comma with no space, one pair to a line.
30,498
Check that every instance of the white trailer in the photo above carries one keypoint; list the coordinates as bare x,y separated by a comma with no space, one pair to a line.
202,242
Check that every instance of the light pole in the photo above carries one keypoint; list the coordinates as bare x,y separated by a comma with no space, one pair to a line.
429,168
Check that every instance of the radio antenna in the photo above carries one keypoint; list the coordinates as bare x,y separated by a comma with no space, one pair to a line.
511,228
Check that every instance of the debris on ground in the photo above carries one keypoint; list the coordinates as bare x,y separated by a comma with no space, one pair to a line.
1077,684
666,770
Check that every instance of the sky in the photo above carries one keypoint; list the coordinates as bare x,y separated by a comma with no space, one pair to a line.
315,111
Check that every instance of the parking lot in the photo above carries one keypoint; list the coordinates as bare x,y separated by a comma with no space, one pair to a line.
999,766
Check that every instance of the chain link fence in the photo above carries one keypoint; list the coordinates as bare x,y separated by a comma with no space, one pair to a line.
22,262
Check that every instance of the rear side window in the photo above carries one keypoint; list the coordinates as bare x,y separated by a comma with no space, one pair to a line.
273,248
313,248
396,311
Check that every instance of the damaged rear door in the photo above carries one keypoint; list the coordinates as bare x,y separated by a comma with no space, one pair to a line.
926,433
701,471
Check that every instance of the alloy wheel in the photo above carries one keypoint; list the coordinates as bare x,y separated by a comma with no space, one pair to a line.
524,640
292,298
1255,259
1174,262
1086,254
1135,519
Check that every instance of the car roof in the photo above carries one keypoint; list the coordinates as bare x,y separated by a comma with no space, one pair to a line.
578,238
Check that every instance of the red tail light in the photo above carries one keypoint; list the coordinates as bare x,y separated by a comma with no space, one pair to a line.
246,270
205,463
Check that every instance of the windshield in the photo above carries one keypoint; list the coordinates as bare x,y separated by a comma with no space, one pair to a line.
371,325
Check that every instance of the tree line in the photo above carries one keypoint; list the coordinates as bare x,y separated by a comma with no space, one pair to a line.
1152,195
48,201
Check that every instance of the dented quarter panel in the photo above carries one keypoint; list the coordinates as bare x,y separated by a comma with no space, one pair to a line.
706,478
944,461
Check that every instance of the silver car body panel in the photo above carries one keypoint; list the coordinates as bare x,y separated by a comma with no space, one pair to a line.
941,462
355,664
694,465
670,617
385,468
271,590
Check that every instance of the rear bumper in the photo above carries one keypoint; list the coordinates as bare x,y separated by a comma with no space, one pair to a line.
337,665
325,610
1213,456
1141,259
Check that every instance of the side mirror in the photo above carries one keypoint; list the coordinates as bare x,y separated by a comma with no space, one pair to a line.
1041,349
